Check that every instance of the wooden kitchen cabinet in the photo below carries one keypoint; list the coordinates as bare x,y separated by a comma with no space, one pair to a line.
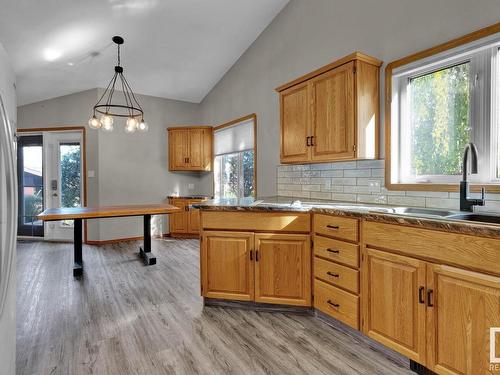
332,113
283,269
463,306
395,302
227,271
186,222
190,148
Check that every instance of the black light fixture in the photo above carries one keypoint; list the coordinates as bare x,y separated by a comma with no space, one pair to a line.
108,109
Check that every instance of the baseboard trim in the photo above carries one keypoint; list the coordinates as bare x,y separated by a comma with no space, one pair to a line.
181,235
256,306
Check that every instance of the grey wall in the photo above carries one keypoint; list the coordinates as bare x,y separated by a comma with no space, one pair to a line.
129,168
8,317
308,34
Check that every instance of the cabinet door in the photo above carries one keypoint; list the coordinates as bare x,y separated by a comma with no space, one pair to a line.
178,221
178,149
283,269
227,271
294,107
332,117
196,152
464,306
393,292
193,218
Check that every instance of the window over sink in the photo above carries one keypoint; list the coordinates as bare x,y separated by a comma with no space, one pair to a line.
436,104
234,159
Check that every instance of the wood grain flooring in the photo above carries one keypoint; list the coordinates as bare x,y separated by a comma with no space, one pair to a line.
125,318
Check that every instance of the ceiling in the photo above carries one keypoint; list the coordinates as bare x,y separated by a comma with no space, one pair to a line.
177,49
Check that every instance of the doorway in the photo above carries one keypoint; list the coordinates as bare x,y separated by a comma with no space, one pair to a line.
59,182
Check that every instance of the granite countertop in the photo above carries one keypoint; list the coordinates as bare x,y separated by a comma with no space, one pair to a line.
382,213
190,196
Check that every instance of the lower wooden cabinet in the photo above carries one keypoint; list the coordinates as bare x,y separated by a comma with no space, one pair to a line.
462,307
437,315
187,221
227,272
268,268
395,313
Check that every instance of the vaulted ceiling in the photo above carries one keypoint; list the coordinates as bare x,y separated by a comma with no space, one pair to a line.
177,49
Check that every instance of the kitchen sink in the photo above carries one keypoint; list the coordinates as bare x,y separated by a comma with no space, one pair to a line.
422,211
478,218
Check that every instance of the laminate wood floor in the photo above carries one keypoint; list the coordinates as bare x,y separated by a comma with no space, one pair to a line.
125,318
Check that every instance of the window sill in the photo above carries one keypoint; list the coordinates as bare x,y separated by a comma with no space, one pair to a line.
490,188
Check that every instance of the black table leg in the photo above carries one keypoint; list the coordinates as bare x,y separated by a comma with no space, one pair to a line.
78,265
145,252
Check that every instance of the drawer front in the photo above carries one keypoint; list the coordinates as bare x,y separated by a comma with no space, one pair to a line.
477,253
335,226
337,303
336,274
338,251
256,221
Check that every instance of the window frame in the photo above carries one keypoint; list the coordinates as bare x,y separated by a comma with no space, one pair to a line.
252,117
446,55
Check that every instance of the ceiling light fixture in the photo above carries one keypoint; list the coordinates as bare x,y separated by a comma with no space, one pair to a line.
109,109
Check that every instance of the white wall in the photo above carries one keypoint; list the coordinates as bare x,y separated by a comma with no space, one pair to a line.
129,168
8,318
308,34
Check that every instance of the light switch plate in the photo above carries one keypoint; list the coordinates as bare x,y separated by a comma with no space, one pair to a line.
90,173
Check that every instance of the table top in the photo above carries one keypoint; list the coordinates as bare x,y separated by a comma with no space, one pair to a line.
54,214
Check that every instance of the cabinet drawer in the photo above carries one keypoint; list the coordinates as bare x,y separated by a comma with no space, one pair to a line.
339,251
336,274
256,221
341,227
337,303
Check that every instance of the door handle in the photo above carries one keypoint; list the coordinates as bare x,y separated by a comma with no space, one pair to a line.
429,298
421,298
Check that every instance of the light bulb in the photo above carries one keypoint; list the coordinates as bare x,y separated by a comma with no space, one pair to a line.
107,123
143,126
131,125
94,123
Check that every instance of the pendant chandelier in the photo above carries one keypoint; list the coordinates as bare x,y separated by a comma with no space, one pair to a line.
108,109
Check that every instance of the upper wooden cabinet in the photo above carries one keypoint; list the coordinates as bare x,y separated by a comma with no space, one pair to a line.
190,148
332,113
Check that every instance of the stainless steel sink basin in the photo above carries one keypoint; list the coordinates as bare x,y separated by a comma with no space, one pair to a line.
422,211
478,218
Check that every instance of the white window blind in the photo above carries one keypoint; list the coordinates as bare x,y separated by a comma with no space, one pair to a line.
236,138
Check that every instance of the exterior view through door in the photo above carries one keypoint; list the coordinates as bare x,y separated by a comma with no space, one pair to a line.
50,176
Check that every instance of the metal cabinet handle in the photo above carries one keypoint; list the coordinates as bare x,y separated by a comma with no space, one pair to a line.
429,298
332,274
307,141
421,298
336,305
312,141
333,227
333,251
251,254
257,255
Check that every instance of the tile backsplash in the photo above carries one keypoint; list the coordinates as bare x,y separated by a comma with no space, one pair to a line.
361,182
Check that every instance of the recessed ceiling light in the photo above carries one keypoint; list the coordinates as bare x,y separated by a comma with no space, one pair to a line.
51,54
71,63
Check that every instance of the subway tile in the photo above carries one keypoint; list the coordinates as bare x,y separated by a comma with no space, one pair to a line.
359,189
320,181
337,173
378,172
291,187
300,167
311,187
344,197
311,173
285,193
284,168
385,191
321,195
406,201
281,173
321,167
333,188
344,165
357,173
343,181
491,206
430,194
379,199
302,194
361,164
292,174
366,181
285,180
452,204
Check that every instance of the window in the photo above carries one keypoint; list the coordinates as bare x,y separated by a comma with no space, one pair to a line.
234,164
439,104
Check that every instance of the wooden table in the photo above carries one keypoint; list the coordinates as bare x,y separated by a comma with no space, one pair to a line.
79,213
